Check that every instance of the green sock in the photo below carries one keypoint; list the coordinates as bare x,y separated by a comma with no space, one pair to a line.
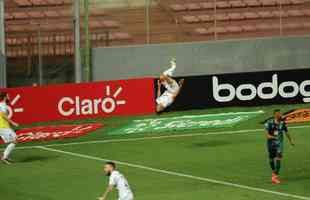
278,166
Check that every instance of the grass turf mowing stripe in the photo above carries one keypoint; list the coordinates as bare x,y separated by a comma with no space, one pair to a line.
177,174
249,131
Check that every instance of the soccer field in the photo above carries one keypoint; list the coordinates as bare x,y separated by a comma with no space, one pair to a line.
216,163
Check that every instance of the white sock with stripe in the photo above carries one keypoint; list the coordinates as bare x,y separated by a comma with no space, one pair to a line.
171,70
8,150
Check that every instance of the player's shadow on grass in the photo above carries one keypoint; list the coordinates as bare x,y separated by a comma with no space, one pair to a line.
36,158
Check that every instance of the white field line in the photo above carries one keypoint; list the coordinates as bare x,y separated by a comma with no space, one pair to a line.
249,131
172,173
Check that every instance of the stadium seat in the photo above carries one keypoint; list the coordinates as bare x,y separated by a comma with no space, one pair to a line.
265,14
293,25
278,13
235,16
295,13
192,6
251,15
248,28
306,12
306,24
20,15
178,7
275,26
51,13
23,3
252,3
66,13
284,2
222,4
205,18
97,11
202,31
296,2
110,24
268,2
263,27
190,19
36,14
222,17
234,29
207,5
8,16
238,4
220,30
121,36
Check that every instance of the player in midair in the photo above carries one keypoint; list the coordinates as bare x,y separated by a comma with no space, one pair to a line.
276,129
172,88
7,134
116,179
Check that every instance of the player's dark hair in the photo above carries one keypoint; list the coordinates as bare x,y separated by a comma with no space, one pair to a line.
3,95
276,110
112,164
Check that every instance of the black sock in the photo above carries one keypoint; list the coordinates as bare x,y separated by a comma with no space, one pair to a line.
272,165
278,166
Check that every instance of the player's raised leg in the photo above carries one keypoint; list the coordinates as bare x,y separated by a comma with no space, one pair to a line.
171,70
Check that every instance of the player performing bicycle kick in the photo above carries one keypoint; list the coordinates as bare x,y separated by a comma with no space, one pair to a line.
172,88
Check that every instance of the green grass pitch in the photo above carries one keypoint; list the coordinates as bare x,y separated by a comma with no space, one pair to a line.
193,161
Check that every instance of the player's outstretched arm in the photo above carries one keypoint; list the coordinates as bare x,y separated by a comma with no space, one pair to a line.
290,139
181,83
158,88
105,195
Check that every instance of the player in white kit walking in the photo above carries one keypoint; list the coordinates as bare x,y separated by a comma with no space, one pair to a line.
116,179
7,134
172,88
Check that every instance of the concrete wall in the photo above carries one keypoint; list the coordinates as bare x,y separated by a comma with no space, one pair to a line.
202,58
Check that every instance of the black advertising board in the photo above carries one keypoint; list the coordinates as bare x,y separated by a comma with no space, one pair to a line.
244,89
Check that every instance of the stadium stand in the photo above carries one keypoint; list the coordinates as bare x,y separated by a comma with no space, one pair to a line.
170,21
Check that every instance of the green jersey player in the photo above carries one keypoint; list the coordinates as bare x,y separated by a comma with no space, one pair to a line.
276,129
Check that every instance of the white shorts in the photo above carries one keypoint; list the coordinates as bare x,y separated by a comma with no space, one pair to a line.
164,100
127,197
7,135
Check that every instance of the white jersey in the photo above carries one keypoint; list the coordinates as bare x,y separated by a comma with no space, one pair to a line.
119,181
171,88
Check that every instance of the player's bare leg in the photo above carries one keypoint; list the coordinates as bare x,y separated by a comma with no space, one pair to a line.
5,157
172,68
275,176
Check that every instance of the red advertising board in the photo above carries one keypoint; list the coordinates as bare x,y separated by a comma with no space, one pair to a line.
85,100
46,133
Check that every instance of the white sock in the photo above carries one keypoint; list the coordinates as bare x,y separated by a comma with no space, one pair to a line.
171,70
8,150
